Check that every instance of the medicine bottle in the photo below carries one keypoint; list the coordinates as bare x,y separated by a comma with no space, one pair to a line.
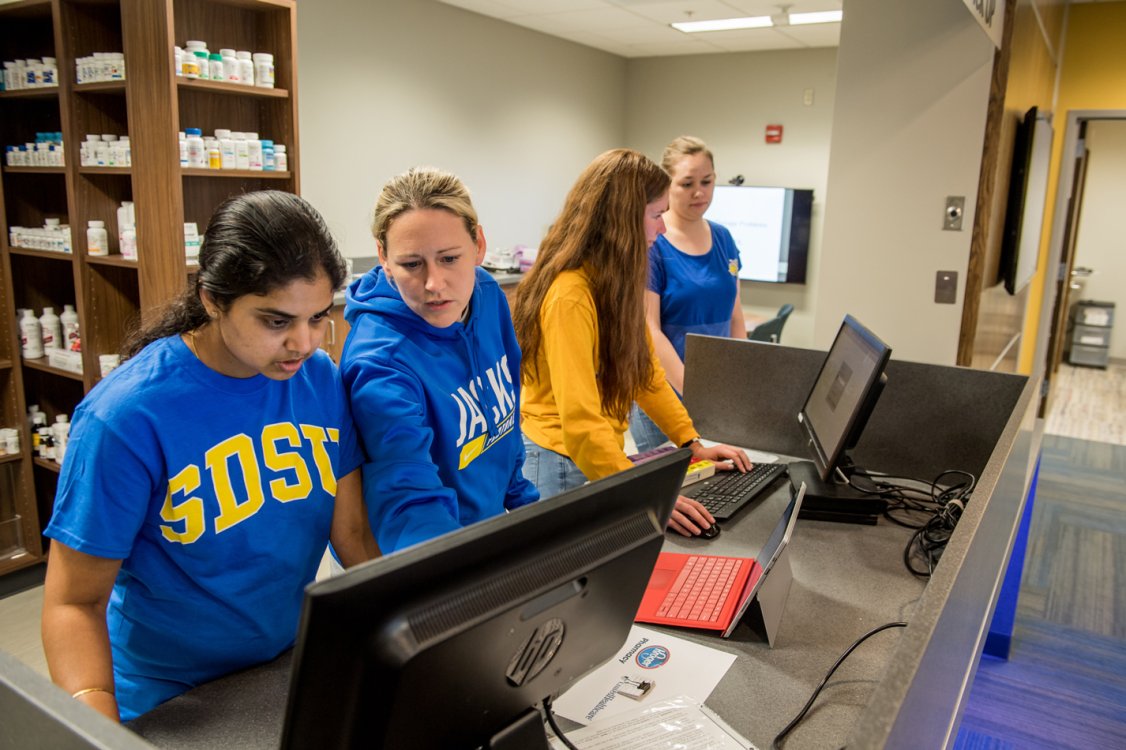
242,151
201,56
215,70
51,329
230,65
263,70
268,157
183,149
281,158
197,155
71,334
97,239
245,67
31,336
254,152
227,159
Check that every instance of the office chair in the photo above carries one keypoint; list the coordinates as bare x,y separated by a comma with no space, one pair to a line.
771,330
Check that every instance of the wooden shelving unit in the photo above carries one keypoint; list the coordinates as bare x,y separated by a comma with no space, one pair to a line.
151,105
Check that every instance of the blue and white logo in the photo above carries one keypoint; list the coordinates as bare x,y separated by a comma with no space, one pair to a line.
652,657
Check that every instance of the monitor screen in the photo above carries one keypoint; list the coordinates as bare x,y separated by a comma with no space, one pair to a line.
452,643
770,226
843,394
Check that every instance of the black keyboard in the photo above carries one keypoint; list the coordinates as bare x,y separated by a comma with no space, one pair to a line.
727,492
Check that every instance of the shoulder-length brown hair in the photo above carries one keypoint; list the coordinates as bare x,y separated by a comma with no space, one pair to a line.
601,230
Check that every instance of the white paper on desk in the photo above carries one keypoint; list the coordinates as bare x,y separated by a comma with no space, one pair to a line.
651,666
757,457
677,724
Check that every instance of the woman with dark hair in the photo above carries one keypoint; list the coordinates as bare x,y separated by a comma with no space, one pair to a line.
205,475
580,320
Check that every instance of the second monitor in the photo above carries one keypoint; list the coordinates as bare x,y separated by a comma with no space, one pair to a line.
833,417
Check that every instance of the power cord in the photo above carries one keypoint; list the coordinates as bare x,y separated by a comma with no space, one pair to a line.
550,714
777,742
931,509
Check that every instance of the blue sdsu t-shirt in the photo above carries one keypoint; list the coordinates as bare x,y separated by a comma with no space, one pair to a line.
697,291
217,495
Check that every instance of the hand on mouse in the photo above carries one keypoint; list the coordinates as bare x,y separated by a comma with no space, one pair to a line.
724,457
689,518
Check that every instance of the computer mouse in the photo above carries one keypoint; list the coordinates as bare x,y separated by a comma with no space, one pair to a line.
711,532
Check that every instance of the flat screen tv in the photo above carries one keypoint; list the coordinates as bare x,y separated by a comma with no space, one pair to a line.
771,229
1024,209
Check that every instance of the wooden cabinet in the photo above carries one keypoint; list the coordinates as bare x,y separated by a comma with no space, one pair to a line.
151,105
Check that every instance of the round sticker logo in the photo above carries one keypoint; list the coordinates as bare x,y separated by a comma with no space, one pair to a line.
652,657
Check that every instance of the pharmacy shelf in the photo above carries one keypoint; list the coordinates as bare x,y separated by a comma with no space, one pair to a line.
35,170
8,458
100,87
256,174
112,260
43,463
106,170
42,365
237,89
5,364
28,9
48,254
43,92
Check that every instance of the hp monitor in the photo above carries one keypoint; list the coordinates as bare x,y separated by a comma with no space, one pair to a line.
834,415
454,643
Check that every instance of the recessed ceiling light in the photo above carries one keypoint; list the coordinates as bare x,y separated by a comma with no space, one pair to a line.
828,16
724,24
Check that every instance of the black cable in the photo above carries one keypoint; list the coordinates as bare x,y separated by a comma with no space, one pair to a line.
932,511
777,742
547,710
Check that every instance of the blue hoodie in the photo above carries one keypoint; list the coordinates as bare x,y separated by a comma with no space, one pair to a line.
438,410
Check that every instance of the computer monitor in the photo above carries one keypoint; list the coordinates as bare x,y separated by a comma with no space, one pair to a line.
834,416
452,643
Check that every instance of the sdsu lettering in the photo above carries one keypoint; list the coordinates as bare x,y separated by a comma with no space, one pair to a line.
236,480
475,437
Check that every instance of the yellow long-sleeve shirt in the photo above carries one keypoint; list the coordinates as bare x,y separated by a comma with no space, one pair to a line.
561,410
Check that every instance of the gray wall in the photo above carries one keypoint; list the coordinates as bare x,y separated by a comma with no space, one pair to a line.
1099,243
391,84
728,100
908,127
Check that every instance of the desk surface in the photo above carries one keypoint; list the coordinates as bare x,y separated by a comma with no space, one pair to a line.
851,577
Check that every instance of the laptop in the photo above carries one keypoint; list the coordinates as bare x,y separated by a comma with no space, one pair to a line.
713,592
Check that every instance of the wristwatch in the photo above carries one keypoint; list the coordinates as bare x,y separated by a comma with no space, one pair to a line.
690,442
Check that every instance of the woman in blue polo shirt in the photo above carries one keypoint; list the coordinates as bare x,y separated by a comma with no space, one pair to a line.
693,273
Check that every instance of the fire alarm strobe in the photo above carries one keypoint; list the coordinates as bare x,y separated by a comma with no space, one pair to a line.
773,133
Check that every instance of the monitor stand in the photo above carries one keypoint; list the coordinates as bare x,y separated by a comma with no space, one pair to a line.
831,501
525,733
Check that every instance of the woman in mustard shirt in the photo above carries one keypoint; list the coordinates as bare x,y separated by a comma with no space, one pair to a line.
580,320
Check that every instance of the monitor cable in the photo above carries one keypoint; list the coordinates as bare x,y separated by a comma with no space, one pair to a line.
549,712
777,742
931,509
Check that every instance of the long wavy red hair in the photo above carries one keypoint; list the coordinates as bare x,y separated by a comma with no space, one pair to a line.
601,230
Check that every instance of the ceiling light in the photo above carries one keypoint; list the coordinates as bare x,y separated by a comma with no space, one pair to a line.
724,24
828,16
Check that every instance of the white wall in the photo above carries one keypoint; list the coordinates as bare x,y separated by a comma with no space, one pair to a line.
728,99
908,125
1099,242
392,84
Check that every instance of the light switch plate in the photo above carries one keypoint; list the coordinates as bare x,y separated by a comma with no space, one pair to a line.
946,287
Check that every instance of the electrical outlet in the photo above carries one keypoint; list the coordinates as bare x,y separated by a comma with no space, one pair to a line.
946,287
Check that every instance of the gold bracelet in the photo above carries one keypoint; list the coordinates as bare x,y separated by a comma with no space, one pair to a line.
87,691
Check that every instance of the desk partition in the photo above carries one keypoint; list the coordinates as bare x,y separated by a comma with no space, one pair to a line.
904,688
929,418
